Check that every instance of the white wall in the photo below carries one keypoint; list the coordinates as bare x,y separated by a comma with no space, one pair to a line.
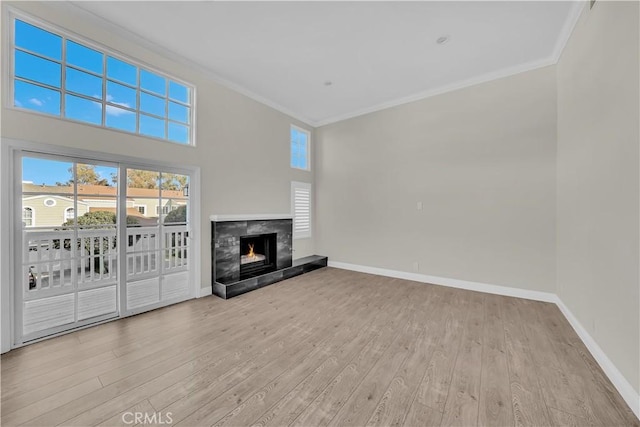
598,180
482,162
242,145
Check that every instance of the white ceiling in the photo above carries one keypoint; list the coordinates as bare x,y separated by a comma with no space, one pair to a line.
376,54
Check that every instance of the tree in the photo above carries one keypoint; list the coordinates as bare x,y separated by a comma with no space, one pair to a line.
177,215
94,218
100,218
93,245
85,174
172,181
137,178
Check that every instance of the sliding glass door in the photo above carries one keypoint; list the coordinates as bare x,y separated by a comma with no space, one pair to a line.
96,241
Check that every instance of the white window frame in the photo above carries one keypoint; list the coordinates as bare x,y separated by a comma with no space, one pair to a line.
304,234
160,210
144,210
308,148
66,210
45,201
33,216
10,48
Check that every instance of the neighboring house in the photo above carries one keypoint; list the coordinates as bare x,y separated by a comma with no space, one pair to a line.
49,209
52,205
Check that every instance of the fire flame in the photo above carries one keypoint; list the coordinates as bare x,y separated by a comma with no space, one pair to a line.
251,254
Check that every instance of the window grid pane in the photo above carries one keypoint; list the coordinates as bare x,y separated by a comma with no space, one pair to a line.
122,72
37,40
103,90
37,69
84,57
83,110
121,95
152,104
151,126
83,83
299,148
36,98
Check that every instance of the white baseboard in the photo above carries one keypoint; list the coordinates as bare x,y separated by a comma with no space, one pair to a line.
452,283
626,390
204,292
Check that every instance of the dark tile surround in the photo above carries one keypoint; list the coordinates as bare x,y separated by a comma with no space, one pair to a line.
225,255
225,245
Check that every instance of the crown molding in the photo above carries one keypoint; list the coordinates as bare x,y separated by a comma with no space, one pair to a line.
563,38
567,28
552,59
494,75
173,56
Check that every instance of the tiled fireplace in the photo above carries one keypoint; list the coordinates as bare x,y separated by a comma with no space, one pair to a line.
232,240
252,251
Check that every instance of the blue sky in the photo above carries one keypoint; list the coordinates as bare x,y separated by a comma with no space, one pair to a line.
299,146
48,172
39,71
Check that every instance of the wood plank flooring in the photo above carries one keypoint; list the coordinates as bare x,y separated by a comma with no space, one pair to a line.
329,348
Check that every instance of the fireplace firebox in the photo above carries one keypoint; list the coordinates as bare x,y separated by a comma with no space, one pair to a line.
258,254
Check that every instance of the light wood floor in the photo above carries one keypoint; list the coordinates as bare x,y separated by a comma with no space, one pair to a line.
331,347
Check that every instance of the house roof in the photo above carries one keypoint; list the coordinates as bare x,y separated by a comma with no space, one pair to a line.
130,211
101,190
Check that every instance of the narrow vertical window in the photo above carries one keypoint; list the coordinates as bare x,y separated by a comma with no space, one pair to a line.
300,152
69,214
27,217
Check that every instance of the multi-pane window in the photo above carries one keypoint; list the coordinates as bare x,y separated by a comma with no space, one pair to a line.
27,217
300,139
56,75
142,209
69,214
165,209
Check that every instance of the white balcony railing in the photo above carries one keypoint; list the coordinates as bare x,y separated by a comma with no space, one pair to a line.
55,261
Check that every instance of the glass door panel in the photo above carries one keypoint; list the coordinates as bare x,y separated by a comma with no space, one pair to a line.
143,238
157,269
174,197
69,247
